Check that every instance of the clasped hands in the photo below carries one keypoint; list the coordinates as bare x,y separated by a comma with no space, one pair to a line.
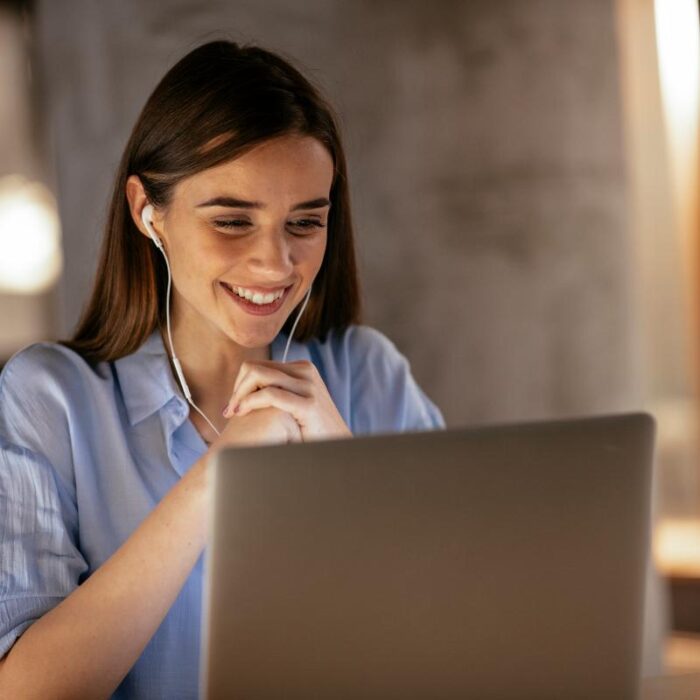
294,387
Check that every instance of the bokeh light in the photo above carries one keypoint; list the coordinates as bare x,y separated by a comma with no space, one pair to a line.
30,251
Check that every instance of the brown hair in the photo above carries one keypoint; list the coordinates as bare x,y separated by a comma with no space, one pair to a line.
216,103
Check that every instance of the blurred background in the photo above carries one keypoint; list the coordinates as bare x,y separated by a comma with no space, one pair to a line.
524,175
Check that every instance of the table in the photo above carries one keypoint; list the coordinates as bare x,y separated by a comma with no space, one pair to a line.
680,686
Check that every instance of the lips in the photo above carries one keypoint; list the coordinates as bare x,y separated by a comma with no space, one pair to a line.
256,290
253,288
251,307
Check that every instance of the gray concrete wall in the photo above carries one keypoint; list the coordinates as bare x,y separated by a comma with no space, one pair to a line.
484,143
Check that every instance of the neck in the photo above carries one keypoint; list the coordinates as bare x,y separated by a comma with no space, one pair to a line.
210,363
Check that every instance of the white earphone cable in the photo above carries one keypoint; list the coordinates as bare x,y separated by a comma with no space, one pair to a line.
176,362
294,327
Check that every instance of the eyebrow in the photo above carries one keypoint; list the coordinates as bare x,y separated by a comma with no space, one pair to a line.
244,204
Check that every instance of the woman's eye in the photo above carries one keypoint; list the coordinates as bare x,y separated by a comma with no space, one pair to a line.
306,224
232,223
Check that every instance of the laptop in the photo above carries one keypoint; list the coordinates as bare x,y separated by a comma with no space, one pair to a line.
495,562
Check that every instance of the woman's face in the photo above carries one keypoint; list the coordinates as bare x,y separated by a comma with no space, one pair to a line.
252,227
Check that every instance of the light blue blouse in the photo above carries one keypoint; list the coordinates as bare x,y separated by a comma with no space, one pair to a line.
86,453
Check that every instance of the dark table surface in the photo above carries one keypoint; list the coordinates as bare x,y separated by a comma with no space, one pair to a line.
681,686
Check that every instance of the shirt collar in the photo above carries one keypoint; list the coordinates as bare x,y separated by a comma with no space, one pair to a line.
146,381
148,384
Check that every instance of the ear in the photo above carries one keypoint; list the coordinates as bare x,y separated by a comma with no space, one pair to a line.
137,199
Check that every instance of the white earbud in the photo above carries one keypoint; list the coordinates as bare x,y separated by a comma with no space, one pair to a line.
146,216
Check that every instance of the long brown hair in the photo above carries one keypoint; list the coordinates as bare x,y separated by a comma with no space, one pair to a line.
216,103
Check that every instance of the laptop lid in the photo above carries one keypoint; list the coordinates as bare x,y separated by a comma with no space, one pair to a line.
497,562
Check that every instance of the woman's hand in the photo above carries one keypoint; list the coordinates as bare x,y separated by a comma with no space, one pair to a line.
266,426
293,387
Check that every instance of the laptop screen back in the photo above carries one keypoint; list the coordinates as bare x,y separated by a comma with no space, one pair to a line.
501,562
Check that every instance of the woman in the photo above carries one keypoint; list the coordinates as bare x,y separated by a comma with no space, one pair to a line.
233,181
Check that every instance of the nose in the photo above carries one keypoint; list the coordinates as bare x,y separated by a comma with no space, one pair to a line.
270,257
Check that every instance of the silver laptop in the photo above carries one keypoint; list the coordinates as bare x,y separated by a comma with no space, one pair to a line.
499,562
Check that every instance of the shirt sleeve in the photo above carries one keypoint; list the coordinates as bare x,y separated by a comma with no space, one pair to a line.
384,395
40,562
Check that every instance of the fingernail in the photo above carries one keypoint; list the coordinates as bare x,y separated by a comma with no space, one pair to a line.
226,411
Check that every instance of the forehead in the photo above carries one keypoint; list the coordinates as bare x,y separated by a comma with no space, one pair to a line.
289,167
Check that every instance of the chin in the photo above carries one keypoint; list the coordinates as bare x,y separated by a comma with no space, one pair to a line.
253,339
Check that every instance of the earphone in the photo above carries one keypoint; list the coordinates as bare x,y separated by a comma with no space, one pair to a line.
146,216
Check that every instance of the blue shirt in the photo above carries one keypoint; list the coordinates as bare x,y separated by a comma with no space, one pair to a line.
86,453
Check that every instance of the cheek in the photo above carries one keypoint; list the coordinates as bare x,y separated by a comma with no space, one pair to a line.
194,268
188,262
310,253
201,254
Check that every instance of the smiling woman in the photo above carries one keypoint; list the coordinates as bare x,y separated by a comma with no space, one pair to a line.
257,243
233,195
207,139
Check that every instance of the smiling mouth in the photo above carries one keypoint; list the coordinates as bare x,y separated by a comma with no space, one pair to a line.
255,297
257,303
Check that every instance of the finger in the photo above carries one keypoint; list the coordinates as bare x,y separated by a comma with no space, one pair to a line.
300,368
259,377
274,397
293,430
293,366
293,369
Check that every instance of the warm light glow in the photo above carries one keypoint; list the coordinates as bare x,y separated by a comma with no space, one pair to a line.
678,41
677,547
30,253
678,38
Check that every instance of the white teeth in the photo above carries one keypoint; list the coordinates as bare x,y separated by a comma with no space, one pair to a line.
257,297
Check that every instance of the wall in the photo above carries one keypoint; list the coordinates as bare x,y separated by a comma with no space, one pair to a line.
486,169
24,318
